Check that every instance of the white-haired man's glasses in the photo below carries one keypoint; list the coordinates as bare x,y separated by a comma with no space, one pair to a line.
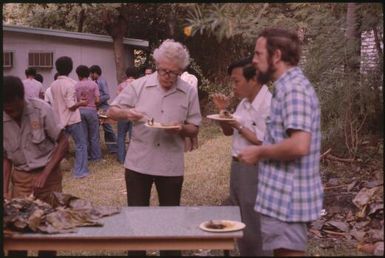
163,72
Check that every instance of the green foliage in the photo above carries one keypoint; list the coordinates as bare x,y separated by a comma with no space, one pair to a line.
350,100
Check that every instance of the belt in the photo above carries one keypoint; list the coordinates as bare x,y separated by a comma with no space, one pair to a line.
236,159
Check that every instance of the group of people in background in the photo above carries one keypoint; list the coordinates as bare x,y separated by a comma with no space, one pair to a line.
275,153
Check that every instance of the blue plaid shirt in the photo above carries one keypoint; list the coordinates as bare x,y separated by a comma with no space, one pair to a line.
292,190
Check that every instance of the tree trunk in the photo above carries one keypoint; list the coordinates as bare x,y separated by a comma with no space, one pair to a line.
354,38
117,27
120,58
82,18
171,21
377,98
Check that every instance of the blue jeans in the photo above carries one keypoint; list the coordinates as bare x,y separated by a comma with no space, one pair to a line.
110,138
81,161
124,126
90,124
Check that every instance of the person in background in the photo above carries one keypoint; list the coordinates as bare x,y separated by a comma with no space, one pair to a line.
109,135
157,155
125,126
34,143
32,87
66,108
40,78
248,129
88,90
190,78
290,191
190,143
48,94
148,70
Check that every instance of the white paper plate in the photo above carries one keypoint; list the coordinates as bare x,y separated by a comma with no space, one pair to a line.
229,225
160,126
218,118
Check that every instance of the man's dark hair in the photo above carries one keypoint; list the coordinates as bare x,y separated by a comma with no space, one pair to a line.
39,77
240,63
132,72
55,76
287,42
96,69
13,89
30,71
64,65
82,71
248,69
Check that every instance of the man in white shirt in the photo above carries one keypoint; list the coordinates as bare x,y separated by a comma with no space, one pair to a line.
66,109
32,87
48,95
190,143
248,128
190,78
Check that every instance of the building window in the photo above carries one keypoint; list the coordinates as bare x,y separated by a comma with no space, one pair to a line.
40,59
7,59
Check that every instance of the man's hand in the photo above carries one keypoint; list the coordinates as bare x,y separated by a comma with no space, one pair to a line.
250,155
40,180
233,123
134,115
7,195
220,101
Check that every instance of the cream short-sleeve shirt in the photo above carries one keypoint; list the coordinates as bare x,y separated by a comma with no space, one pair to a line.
64,95
153,151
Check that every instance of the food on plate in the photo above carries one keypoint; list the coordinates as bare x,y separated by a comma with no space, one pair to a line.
212,224
225,114
150,121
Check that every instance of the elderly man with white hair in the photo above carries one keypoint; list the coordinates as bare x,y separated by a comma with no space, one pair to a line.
156,155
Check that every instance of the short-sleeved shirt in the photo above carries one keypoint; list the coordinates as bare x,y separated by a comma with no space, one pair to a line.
32,88
292,190
104,93
31,145
63,93
153,151
48,96
253,117
89,90
124,84
191,79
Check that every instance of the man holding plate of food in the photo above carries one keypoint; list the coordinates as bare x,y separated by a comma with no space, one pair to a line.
247,127
156,154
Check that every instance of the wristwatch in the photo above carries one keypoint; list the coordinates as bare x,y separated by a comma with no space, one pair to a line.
240,128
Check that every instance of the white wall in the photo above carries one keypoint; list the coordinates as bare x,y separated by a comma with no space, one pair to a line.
82,52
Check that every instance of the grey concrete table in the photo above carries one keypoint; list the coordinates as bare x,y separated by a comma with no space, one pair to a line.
140,228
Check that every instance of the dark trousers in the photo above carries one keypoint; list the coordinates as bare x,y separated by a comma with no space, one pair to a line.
110,138
139,186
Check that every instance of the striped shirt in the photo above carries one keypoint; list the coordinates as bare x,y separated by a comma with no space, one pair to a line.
292,190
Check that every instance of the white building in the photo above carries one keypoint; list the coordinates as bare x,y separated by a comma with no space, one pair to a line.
25,47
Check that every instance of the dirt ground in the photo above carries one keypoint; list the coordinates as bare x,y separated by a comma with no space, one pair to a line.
346,228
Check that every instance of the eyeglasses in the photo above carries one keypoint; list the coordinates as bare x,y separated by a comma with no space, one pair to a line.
163,72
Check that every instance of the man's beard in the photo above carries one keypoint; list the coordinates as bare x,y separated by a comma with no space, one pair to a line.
265,77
